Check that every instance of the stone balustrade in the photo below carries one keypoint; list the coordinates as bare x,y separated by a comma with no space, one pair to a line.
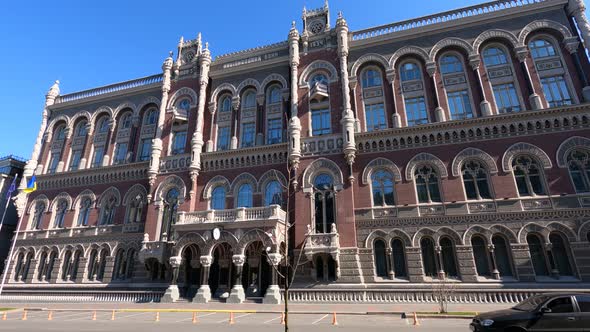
322,243
85,231
272,213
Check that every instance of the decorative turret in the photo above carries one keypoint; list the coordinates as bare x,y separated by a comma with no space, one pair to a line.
294,123
178,62
52,94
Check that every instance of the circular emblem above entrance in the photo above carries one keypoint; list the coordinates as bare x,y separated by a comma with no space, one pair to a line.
216,233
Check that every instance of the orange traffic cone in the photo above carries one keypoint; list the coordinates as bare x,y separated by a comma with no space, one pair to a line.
282,318
334,319
4,316
24,315
157,316
94,315
113,315
50,315
416,321
231,318
195,321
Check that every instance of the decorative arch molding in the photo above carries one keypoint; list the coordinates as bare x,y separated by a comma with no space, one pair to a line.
540,25
274,78
58,198
183,92
507,232
72,248
532,228
171,181
528,149
318,65
368,58
254,236
494,34
477,230
322,165
563,229
48,250
124,106
100,112
450,42
137,189
399,234
187,240
40,198
407,51
249,82
52,125
425,158
270,176
583,231
224,87
76,118
25,251
244,178
450,233
85,193
218,180
381,163
146,101
112,191
473,153
375,235
99,248
424,232
225,237
388,237
567,146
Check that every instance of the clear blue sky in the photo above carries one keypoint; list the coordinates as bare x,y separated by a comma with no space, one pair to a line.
87,44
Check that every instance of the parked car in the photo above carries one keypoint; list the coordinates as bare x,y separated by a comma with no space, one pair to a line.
545,312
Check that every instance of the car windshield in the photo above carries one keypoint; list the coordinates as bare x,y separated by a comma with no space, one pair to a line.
531,303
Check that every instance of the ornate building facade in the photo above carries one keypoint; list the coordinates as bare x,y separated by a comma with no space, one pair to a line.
450,147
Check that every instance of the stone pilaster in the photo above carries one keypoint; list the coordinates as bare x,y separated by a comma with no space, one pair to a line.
237,294
109,267
55,271
294,125
577,9
523,263
82,270
172,293
204,292
485,106
466,264
415,264
522,53
273,293
32,273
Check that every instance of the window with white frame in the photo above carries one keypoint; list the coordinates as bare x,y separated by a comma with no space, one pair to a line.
529,176
476,180
382,188
456,85
375,116
371,78
578,162
427,184
410,72
416,112
459,105
500,72
506,98
413,93
494,56
556,91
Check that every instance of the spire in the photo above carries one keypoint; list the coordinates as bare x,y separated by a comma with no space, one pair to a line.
199,43
168,62
340,21
326,6
206,52
293,33
54,90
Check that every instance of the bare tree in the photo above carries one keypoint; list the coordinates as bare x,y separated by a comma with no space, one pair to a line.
442,292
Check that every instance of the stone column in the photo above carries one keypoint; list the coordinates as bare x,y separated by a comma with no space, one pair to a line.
572,46
439,263
273,293
552,265
172,293
522,53
577,9
294,124
495,272
439,112
157,142
485,106
235,104
395,118
391,272
237,294
204,292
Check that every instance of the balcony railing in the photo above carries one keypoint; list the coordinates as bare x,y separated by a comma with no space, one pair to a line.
323,243
271,213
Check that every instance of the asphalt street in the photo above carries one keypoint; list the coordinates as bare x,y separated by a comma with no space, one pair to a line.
209,321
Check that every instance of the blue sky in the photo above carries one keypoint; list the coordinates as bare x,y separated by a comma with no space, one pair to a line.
87,44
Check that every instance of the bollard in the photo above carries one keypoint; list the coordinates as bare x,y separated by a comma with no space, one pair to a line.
282,318
157,316
24,315
231,318
50,315
416,321
195,317
334,319
113,315
4,316
94,315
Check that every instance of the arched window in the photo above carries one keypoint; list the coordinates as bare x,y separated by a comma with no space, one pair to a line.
170,212
273,194
249,99
76,265
427,185
135,210
538,257
42,267
81,129
103,125
494,56
60,133
428,257
130,263
450,64
126,120
449,262
65,276
318,78
120,265
50,265
578,162
541,48
218,198
553,75
501,255
324,203
150,117
371,78
245,196
184,104
382,187
225,104
60,214
399,258
20,260
27,266
92,265
102,264
274,95
85,206
108,211
410,72
481,256
380,259
528,175
475,180
559,249
38,215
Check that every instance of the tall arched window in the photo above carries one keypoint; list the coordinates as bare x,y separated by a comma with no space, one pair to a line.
273,194
92,265
399,258
108,211
373,100
428,257
248,119
503,84
481,256
274,115
225,104
501,255
245,196
218,198
456,86
126,120
382,187
60,214
475,180
76,264
321,121
450,64
427,185
274,95
42,267
66,266
120,265
224,123
102,262
100,140
324,199
559,249
538,257
57,144
135,210
103,125
414,94
81,129
38,215
50,265
85,206
449,262
578,162
18,269
528,175
80,132
170,212
123,137
150,117
553,75
380,258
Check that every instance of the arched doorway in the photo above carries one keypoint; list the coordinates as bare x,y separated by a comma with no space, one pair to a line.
256,276
221,273
190,274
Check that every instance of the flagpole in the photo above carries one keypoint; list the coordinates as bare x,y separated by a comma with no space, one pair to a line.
9,258
8,197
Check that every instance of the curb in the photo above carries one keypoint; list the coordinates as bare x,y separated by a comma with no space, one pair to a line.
406,315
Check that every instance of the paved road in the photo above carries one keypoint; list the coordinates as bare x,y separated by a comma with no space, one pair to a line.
180,322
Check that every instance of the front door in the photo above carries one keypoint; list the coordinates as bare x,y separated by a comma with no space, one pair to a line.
561,316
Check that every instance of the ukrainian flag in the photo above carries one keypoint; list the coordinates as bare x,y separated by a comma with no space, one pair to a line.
32,185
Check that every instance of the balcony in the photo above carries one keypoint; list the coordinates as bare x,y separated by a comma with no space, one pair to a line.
255,217
80,231
158,250
324,243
